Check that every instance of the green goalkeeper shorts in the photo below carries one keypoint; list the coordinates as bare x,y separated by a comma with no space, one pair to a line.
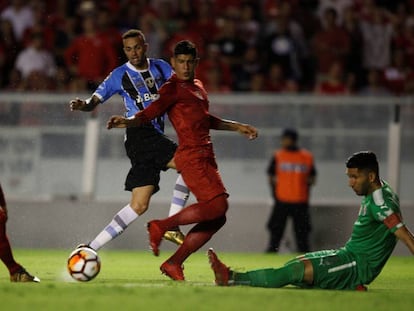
333,269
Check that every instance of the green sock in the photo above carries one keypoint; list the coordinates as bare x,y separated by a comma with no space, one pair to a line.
291,273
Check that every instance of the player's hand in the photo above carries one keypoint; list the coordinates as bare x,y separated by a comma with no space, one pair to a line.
117,122
77,104
247,130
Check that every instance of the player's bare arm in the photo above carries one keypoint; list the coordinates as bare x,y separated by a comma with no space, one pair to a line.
228,125
84,105
406,237
157,108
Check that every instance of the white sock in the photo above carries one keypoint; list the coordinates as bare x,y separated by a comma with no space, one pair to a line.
180,196
117,225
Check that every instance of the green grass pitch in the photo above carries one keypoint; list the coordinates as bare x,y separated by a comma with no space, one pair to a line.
131,280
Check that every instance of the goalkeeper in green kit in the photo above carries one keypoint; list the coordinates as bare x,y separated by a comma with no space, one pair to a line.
375,233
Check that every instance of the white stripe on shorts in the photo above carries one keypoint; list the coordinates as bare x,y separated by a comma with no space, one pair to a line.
342,267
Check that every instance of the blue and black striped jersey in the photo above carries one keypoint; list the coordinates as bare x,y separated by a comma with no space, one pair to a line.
138,88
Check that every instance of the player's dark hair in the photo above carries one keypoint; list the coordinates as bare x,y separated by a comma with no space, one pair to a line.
364,160
132,33
185,47
291,133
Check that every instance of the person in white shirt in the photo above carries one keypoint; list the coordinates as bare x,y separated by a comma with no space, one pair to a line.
20,15
35,59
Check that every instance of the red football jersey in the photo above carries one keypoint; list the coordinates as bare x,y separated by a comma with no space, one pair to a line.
187,106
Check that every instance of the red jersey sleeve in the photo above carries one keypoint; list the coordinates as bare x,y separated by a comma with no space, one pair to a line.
167,97
214,122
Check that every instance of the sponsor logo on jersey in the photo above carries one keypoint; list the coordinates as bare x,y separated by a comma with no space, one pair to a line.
146,97
150,82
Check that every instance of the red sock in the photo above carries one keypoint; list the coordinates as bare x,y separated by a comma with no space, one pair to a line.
6,254
197,213
199,235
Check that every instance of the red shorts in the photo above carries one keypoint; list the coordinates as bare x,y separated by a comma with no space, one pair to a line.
200,173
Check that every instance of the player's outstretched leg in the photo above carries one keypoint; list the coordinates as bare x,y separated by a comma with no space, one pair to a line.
221,271
195,213
198,236
291,273
118,224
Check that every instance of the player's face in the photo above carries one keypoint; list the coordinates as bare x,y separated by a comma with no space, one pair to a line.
184,66
287,142
135,50
359,181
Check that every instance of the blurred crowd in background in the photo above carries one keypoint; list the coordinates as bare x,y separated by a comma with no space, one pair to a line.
283,46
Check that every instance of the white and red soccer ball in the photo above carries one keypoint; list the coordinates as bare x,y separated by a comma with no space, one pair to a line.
83,264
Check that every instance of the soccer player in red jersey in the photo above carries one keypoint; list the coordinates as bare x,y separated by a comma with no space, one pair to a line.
17,272
185,100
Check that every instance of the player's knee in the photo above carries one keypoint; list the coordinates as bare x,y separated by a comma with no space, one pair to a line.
221,222
221,204
139,207
296,270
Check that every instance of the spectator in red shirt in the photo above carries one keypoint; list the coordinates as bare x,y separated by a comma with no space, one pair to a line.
334,84
91,56
107,28
204,23
331,44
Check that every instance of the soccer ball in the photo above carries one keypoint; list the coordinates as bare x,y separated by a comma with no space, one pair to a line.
84,264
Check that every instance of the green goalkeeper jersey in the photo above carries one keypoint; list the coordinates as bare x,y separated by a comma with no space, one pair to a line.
372,240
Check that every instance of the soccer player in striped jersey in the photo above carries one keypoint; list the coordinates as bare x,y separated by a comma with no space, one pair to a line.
375,233
149,150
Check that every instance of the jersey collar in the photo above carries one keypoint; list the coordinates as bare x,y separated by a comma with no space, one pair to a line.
130,66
